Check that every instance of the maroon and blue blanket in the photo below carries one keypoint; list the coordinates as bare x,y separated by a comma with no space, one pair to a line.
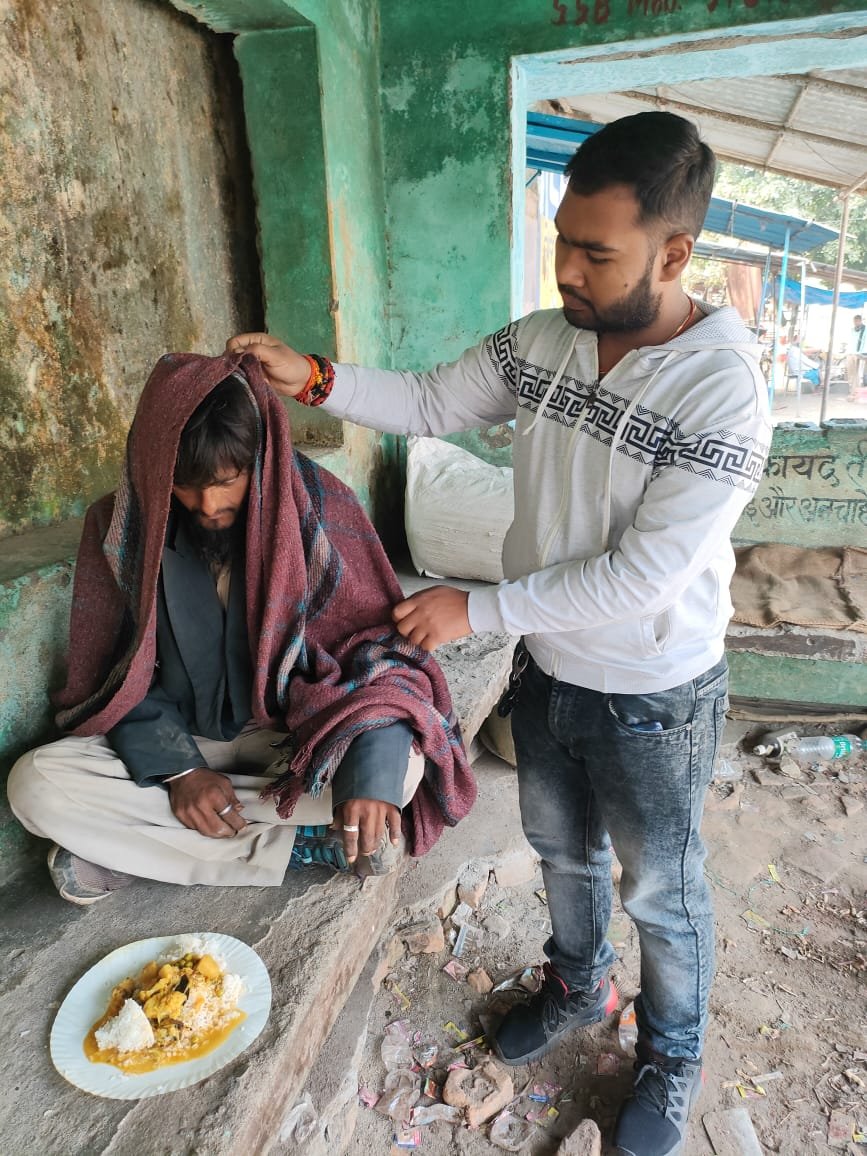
327,661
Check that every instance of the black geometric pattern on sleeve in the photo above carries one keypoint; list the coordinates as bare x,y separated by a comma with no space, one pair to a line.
720,455
649,437
567,400
500,348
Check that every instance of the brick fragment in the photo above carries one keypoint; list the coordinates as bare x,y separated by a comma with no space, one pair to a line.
447,903
473,884
481,1091
479,981
765,777
586,1140
517,868
424,938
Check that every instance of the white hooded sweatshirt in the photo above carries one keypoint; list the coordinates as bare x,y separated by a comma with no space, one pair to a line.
619,560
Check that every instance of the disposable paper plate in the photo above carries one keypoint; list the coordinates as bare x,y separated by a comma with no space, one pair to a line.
88,999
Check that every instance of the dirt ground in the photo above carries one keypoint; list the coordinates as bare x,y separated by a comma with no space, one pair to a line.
786,1044
788,407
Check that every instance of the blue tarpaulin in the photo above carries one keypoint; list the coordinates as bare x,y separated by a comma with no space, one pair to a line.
816,296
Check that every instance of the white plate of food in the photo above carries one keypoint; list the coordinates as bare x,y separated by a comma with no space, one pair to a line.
191,1018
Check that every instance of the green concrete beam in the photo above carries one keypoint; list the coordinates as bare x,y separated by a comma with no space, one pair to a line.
758,676
280,76
241,15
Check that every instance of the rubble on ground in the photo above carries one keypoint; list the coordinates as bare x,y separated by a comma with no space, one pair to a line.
781,865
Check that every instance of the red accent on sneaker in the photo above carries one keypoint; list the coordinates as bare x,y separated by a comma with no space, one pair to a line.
613,998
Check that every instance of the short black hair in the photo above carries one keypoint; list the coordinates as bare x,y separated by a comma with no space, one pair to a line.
221,434
663,160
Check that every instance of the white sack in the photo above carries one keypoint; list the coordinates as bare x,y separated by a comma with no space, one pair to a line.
457,511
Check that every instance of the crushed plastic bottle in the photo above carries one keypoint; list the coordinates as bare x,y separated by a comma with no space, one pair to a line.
299,1124
627,1029
510,1131
396,1047
726,772
824,747
399,1095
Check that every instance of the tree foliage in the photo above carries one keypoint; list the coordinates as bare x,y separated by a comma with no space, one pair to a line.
800,199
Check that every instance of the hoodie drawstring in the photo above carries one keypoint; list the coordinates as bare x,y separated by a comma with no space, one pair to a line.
555,381
615,440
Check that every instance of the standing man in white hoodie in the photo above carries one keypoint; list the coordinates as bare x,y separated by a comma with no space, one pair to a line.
642,428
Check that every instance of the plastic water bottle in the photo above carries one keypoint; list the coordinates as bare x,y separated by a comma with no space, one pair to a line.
827,747
824,747
627,1029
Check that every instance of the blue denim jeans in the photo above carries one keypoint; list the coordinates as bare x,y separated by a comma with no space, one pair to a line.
597,770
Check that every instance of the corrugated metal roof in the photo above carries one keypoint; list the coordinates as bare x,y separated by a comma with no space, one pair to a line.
764,227
552,140
812,126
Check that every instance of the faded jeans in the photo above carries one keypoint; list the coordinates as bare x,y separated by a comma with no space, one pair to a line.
592,774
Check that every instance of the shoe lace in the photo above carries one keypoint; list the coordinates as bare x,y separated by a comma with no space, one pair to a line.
659,1090
554,1000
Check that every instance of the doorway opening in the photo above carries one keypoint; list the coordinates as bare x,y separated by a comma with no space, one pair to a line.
727,83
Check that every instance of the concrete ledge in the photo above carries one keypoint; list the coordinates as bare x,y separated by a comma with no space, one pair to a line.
25,554
476,668
799,642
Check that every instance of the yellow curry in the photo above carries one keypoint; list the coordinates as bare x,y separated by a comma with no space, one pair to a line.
190,1005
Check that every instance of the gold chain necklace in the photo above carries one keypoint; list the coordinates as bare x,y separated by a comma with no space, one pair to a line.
690,313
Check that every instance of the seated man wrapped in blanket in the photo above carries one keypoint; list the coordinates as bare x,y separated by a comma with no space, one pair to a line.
237,698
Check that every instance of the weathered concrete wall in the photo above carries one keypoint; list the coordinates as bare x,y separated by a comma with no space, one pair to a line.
126,228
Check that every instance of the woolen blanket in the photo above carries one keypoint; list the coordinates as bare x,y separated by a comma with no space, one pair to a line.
327,661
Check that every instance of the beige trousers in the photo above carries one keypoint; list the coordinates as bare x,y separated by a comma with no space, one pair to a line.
77,792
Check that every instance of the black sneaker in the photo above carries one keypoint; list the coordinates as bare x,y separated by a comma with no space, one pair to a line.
652,1122
531,1029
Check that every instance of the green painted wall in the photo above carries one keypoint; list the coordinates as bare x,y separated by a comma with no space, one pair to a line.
814,492
280,76
793,680
311,99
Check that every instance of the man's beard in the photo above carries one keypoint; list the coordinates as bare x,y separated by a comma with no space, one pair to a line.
216,547
637,310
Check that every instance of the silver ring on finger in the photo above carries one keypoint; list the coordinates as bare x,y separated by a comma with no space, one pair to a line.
351,828
225,809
